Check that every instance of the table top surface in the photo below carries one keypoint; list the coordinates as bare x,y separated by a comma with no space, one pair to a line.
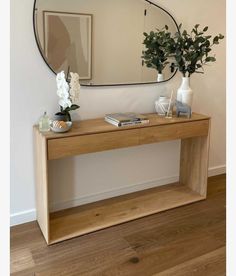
99,125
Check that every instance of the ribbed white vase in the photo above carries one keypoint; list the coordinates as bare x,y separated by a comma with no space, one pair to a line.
160,77
185,93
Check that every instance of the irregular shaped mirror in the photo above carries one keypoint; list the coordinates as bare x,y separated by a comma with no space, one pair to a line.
101,40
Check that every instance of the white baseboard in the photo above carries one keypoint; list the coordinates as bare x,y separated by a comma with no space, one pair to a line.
216,170
30,215
23,217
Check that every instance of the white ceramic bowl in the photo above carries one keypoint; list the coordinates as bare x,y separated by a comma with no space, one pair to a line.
57,129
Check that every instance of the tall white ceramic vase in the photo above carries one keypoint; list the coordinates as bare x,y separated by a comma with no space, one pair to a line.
185,93
160,77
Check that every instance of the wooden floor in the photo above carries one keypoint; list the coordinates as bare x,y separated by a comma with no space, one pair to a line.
188,240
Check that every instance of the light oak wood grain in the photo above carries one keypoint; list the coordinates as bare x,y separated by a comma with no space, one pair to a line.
194,163
94,126
96,135
41,178
75,145
174,131
70,146
72,223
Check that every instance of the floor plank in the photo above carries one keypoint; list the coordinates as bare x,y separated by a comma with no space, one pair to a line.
210,264
188,240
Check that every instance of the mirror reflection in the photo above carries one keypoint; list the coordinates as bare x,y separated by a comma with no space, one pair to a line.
102,40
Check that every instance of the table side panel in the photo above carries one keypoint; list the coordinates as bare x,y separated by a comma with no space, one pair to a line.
194,158
41,175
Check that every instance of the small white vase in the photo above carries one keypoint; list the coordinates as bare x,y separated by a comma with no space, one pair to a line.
160,77
185,93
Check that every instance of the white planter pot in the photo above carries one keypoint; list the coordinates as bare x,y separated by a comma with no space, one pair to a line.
160,77
185,93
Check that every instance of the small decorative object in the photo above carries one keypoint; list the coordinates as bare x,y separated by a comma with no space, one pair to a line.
163,106
170,106
184,109
155,55
44,123
60,126
191,53
68,92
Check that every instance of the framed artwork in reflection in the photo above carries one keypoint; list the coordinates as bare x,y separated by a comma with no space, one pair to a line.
68,42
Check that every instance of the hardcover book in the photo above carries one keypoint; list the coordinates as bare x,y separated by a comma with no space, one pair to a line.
126,117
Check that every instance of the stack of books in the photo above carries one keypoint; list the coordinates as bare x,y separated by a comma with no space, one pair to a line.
126,119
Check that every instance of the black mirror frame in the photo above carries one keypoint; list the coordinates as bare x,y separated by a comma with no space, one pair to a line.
100,85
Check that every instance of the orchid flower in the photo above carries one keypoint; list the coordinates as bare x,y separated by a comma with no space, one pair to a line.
68,93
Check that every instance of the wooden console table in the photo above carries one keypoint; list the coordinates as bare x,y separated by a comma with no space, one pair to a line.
97,135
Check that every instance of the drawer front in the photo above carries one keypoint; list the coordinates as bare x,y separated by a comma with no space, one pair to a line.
174,131
69,146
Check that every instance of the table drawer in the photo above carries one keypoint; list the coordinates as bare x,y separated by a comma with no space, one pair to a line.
175,131
75,145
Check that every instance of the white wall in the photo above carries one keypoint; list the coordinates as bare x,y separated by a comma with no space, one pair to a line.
93,176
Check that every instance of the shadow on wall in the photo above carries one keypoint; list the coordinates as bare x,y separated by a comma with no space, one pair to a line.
66,192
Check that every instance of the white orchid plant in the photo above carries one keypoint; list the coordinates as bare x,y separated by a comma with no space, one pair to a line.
68,93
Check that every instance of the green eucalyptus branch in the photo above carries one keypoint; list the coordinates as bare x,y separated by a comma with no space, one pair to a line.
155,54
191,51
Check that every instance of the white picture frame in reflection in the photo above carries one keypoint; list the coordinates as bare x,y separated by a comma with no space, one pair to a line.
66,36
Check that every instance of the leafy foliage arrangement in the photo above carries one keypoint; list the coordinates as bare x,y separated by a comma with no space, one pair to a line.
192,51
155,55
